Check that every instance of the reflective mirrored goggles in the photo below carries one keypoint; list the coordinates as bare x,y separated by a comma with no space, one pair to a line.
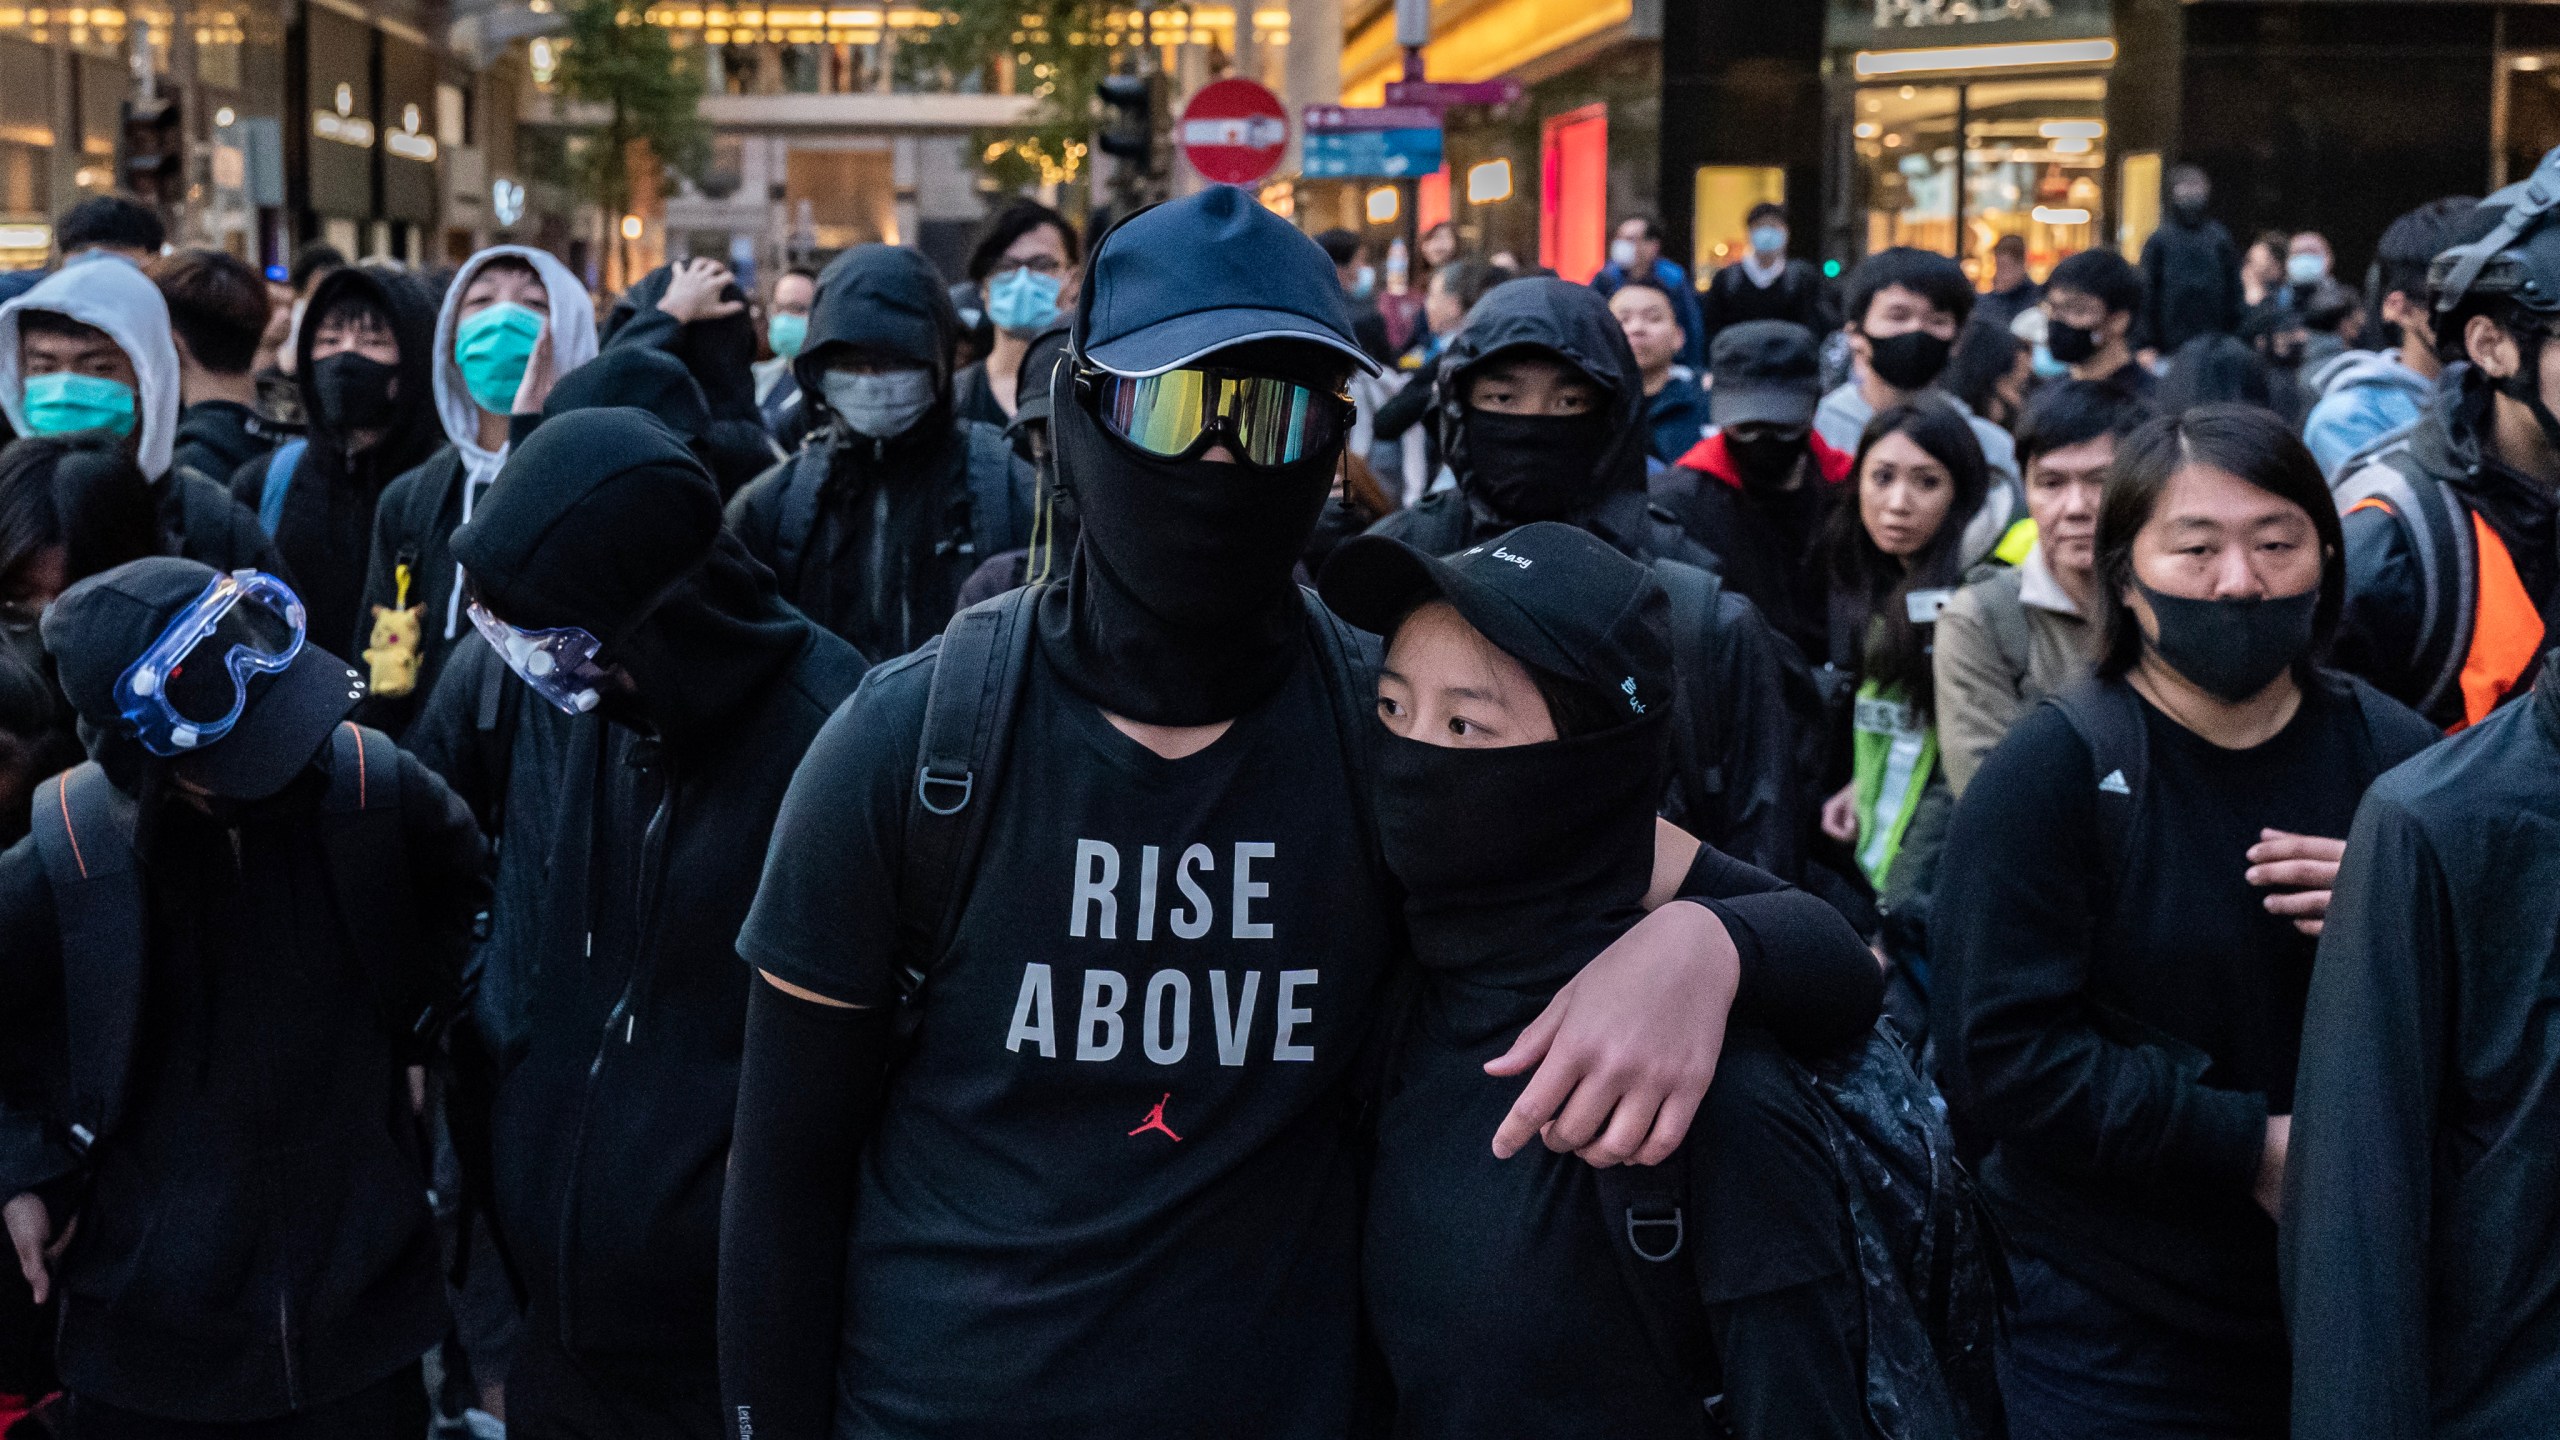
1177,415
559,665
189,688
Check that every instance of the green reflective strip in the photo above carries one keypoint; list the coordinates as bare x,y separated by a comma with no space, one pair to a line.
1891,761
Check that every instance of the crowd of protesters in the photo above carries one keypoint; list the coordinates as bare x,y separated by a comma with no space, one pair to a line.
1934,856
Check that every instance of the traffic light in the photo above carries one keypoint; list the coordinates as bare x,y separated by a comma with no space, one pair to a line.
155,150
1136,134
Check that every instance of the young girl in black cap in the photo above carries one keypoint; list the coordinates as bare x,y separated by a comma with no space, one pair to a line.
1525,692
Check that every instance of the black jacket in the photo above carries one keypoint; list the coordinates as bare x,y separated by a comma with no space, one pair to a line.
253,1236
611,998
217,437
2190,285
1732,298
326,533
2379,630
1749,806
203,522
2421,1243
880,558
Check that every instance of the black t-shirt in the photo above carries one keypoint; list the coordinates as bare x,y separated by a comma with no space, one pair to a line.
1111,1193
2125,1056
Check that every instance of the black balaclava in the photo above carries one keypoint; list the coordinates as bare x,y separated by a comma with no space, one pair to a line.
1544,467
1521,863
1181,605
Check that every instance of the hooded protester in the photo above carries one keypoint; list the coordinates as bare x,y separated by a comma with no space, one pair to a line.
1542,407
1028,1246
361,367
2453,549
2122,958
514,322
228,936
1542,662
2190,270
666,694
2368,396
89,349
217,313
894,500
2419,1223
696,313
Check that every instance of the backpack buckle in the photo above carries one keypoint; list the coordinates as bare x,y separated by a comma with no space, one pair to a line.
1642,1222
964,782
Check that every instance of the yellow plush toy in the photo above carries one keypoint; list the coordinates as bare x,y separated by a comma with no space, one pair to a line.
394,651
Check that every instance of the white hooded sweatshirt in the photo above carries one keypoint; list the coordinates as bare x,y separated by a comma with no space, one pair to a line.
112,294
572,327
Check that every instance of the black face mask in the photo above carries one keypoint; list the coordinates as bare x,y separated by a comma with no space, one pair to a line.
1765,460
1181,605
1507,854
354,392
1534,467
2070,344
2189,208
1910,360
2233,649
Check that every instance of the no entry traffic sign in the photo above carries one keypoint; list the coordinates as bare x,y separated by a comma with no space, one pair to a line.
1234,131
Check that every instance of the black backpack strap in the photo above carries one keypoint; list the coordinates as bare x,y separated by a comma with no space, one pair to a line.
2108,716
999,493
1646,1209
377,902
1697,643
968,718
84,830
804,485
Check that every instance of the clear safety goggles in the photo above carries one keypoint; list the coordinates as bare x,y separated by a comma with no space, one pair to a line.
559,665
189,688
1177,415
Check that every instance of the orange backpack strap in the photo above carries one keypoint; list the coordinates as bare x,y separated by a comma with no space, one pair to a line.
2506,630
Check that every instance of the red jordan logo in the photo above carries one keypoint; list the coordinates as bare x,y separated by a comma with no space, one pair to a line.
1155,1121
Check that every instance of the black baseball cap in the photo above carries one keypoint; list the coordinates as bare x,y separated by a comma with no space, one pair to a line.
1179,280
1553,596
99,627
1765,372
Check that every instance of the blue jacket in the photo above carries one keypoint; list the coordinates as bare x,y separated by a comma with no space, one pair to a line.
2364,395
1684,305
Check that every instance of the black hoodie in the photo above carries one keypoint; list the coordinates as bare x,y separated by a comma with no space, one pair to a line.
719,355
633,837
326,533
890,540
217,437
1749,807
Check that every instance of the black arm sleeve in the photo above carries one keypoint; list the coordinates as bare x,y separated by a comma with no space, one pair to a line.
1806,976
1408,404
809,1090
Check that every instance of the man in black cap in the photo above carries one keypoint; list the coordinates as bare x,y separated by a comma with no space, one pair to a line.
667,692
1109,833
1756,491
231,931
1541,407
894,498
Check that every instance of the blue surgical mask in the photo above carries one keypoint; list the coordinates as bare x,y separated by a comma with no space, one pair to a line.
786,333
1023,302
2305,269
492,348
1768,239
2046,367
61,402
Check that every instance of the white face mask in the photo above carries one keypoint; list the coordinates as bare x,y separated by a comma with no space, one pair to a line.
1622,253
881,405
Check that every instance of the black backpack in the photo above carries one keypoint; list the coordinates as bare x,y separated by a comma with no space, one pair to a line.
85,837
968,726
1000,496
1925,1250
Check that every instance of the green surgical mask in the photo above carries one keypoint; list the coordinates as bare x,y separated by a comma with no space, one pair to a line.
493,348
59,403
787,333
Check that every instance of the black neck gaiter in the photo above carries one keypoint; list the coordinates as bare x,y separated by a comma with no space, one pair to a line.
1535,467
1181,605
1521,863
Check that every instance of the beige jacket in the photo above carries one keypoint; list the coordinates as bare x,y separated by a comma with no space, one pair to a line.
2003,643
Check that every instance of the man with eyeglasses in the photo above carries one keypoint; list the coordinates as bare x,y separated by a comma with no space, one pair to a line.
2089,303
1101,856
895,497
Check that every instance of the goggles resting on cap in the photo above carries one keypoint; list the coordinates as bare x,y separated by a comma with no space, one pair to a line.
189,687
558,665
1178,415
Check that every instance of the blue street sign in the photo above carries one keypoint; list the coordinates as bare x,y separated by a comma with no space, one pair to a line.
1369,154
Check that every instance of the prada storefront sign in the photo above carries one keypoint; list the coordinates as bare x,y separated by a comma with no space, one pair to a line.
1903,24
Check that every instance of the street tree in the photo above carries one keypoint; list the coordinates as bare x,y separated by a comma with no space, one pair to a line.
651,93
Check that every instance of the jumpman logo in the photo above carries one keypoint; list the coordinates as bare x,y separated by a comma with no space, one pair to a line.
1155,1121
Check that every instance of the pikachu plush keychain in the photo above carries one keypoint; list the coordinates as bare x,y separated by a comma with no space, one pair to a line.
394,651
